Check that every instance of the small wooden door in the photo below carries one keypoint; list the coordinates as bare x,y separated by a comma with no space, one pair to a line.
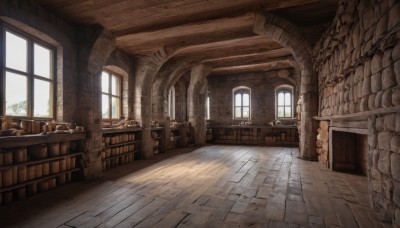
344,149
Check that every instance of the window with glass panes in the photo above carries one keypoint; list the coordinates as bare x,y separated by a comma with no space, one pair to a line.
171,103
242,103
111,95
284,103
208,107
28,76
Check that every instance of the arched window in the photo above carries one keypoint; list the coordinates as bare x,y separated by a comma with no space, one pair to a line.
28,75
208,107
241,103
111,95
284,102
171,103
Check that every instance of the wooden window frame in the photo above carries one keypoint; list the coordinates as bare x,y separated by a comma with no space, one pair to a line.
284,90
110,95
171,102
241,91
31,41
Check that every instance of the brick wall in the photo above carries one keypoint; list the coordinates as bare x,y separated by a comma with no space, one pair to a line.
358,65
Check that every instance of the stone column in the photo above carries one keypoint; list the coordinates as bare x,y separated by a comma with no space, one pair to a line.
196,102
95,45
288,35
146,70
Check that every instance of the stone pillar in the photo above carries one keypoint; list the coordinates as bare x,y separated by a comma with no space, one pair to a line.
196,102
146,70
288,35
96,44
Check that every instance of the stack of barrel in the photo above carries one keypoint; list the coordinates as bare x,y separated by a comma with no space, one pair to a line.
21,166
123,153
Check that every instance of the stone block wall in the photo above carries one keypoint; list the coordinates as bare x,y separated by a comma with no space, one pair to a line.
358,66
323,143
31,18
262,87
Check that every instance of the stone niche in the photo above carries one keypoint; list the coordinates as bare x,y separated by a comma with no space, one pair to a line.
349,151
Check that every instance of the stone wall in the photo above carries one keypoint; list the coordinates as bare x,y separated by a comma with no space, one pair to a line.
358,65
30,17
262,87
323,143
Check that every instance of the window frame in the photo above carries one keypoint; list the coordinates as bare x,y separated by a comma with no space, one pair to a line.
207,107
171,102
110,95
30,74
284,89
240,90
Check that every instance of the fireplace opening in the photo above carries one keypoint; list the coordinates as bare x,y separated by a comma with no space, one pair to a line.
349,152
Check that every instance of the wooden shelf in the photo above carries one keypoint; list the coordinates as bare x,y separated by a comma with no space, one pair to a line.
157,138
121,144
20,185
27,140
125,130
120,155
360,115
41,161
157,128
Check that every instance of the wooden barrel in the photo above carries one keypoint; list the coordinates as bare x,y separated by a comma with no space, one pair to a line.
21,193
35,127
113,140
73,165
63,165
54,167
20,155
73,145
68,163
46,169
31,189
107,140
39,170
107,164
26,125
52,183
7,177
43,186
1,159
31,172
61,179
21,174
63,148
53,149
7,197
15,175
38,151
8,157
69,177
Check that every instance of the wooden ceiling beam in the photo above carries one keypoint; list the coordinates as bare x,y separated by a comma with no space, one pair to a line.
260,67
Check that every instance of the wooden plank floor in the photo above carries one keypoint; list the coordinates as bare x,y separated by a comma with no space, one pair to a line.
212,186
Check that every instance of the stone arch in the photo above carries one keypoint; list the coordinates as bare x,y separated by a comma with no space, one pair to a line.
163,81
288,35
121,64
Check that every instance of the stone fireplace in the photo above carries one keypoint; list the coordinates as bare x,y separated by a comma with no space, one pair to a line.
349,149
